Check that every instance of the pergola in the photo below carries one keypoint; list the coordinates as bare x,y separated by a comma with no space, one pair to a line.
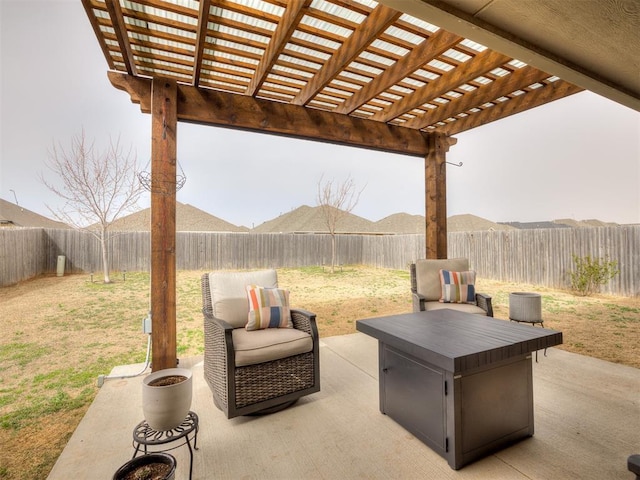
400,76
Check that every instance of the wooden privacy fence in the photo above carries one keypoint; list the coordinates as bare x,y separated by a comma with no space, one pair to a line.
545,256
538,257
22,254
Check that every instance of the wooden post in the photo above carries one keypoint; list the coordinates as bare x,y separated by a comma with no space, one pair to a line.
164,120
436,195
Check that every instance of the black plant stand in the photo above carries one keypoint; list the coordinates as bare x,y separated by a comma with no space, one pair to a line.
144,435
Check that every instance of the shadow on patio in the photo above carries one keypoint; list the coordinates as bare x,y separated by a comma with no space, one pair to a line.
587,420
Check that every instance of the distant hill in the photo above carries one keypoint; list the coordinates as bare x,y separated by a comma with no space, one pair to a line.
563,223
584,223
472,223
533,225
12,215
188,219
403,223
304,219
311,219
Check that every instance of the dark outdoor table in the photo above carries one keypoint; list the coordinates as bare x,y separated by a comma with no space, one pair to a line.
462,383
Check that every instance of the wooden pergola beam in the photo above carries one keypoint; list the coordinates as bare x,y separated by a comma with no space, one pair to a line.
534,98
435,207
286,27
517,80
482,63
88,8
164,122
374,25
201,39
211,107
120,29
432,47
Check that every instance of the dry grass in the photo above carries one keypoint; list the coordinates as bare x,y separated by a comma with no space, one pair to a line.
59,334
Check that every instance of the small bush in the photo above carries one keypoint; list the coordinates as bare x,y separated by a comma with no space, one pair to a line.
591,273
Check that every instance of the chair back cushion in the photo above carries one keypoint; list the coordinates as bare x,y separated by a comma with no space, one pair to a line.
428,275
229,296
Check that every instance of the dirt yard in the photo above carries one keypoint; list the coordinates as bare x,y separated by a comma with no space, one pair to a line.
59,334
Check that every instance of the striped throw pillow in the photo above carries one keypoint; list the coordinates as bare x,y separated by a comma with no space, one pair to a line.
268,308
458,287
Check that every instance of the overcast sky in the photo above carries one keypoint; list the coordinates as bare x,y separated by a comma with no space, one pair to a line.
576,158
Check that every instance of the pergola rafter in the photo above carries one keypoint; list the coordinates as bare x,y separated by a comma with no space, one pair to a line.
118,25
100,34
484,62
201,39
375,24
429,49
281,36
544,94
518,80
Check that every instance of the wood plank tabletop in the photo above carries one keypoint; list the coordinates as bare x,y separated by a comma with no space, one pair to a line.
457,341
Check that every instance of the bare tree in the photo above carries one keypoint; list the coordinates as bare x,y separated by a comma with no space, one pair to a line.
336,201
98,187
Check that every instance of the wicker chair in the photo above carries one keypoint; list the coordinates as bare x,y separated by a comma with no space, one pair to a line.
426,288
255,372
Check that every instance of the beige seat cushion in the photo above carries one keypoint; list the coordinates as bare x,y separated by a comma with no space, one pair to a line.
428,275
460,307
229,297
260,346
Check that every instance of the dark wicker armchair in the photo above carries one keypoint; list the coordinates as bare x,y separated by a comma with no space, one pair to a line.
426,288
260,371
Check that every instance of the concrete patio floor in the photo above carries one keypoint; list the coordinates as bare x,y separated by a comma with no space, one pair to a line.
587,422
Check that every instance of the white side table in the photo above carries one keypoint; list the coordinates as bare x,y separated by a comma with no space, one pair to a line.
525,307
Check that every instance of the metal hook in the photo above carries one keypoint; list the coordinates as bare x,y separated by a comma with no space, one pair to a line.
455,164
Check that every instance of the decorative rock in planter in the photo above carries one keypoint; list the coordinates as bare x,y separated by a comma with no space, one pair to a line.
166,397
154,466
525,307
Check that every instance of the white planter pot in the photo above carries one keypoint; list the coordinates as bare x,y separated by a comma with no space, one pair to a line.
525,307
165,407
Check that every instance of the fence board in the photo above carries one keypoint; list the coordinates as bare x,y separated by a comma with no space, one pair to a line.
537,257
